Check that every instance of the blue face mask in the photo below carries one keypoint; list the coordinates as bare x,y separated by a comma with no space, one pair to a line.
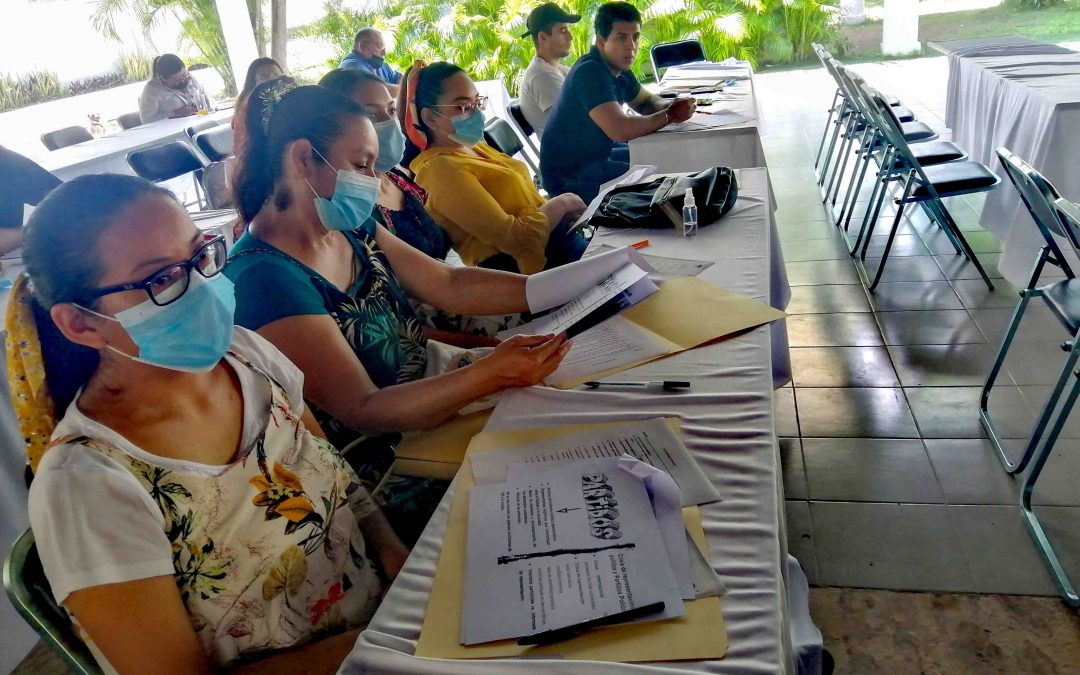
391,144
468,128
354,198
190,334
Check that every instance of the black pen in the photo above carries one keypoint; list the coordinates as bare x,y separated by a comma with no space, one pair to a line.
666,385
549,637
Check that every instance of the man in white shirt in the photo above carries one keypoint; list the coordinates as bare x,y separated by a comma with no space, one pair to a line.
549,28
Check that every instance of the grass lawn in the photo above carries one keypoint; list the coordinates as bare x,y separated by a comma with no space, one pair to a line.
1053,24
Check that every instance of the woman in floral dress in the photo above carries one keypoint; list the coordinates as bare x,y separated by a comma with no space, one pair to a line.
321,281
189,513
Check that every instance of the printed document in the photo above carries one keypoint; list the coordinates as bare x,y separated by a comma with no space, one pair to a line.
651,441
579,543
559,286
665,268
614,343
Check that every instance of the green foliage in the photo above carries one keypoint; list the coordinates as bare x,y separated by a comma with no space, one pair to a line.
36,87
484,35
198,19
1034,4
136,67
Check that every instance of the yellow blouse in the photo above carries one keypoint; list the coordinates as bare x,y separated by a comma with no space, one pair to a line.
487,203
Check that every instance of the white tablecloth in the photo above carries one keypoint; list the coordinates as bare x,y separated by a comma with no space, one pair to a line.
727,421
736,145
108,154
1026,98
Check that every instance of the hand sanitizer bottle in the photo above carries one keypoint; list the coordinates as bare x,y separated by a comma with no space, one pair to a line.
689,214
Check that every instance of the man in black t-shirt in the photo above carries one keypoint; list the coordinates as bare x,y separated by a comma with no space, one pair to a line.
22,182
585,139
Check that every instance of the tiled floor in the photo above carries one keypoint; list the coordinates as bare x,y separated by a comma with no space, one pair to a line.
890,483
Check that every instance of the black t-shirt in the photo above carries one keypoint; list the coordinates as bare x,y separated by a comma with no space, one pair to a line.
571,138
22,181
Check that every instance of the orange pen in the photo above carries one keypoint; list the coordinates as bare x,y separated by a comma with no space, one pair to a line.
641,244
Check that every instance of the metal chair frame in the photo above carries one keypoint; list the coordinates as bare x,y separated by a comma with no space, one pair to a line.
1039,197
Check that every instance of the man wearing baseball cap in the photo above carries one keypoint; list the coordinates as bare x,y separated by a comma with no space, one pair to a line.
549,28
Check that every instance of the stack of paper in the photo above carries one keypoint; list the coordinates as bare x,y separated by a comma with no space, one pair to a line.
585,526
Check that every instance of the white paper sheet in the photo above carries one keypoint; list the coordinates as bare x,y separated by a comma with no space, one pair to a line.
703,121
636,174
665,268
559,286
591,300
650,441
615,342
544,553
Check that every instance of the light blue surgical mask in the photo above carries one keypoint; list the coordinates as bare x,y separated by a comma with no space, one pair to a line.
391,144
468,128
190,334
350,206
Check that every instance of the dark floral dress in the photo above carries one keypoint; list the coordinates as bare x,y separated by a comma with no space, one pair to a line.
376,319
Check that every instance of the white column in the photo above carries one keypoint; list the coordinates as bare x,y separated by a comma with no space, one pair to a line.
900,31
239,38
853,12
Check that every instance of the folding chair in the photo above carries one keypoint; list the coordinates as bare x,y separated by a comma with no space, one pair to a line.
193,129
500,135
61,138
129,120
668,54
1063,299
523,124
165,162
924,186
216,143
1069,220
29,592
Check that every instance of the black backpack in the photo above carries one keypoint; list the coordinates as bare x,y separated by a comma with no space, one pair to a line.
658,202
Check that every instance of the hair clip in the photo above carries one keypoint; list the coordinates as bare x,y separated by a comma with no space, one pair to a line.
271,97
412,117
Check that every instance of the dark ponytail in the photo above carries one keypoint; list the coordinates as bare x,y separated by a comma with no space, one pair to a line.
64,263
315,114
430,85
166,65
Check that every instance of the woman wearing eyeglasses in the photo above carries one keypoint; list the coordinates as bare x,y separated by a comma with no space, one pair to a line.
188,512
486,201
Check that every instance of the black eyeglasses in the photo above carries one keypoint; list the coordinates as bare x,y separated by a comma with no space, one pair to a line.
478,103
169,283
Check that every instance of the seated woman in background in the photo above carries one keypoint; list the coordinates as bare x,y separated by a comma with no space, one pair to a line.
318,278
189,513
261,70
400,208
171,91
486,201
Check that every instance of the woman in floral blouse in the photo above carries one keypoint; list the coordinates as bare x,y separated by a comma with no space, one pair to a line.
189,513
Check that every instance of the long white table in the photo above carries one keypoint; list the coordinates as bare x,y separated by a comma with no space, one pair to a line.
736,145
1023,95
108,154
727,421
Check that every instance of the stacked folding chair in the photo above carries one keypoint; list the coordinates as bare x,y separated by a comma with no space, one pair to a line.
1059,223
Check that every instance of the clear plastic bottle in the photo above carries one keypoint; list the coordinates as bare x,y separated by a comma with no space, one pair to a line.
689,214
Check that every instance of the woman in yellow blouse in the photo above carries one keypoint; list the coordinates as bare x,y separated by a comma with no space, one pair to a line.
486,200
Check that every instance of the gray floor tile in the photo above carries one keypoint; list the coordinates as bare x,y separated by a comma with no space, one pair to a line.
1001,554
816,249
855,413
828,299
959,267
903,245
929,327
787,422
1037,398
804,231
895,546
842,367
833,330
869,470
953,412
800,537
983,242
969,472
975,294
1037,325
899,296
1062,525
1037,363
806,211
1059,482
821,272
913,268
943,365
791,464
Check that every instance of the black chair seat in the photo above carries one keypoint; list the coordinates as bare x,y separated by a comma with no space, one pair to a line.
937,152
216,143
903,114
1063,298
164,162
956,177
501,136
892,100
917,131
